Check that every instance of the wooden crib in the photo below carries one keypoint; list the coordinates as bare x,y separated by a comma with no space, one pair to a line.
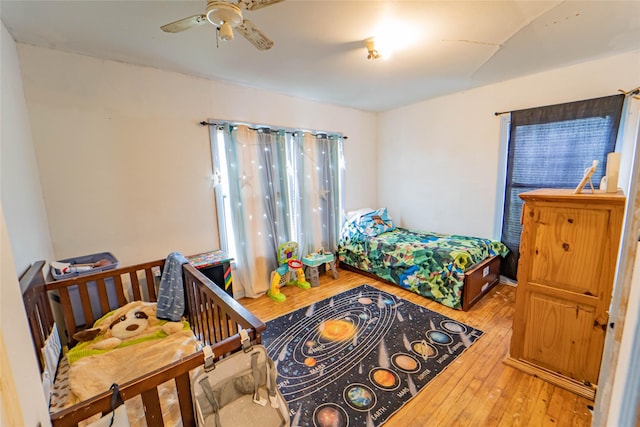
214,316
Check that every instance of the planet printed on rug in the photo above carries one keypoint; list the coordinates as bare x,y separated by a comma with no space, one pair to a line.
356,358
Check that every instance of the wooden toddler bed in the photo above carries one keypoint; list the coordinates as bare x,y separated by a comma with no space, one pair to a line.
214,317
453,270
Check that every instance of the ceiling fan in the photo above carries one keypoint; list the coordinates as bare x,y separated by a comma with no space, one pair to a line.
227,16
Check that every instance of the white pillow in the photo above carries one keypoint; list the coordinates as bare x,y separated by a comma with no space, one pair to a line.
358,213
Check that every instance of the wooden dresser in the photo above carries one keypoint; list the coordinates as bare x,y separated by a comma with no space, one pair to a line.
568,253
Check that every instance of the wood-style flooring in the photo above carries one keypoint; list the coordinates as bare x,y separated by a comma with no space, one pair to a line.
477,389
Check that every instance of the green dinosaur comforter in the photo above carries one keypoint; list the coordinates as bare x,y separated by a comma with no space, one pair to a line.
429,264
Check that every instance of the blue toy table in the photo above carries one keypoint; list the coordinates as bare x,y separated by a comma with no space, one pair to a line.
315,260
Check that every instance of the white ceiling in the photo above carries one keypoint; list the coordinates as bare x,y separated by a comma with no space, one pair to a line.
319,54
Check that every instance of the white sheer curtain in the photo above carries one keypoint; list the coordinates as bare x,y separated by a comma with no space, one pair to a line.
278,186
317,162
248,214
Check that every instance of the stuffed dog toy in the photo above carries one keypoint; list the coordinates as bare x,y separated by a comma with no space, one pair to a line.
123,345
134,321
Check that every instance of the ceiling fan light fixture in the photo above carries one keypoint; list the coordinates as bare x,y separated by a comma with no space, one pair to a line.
219,13
227,18
372,53
225,32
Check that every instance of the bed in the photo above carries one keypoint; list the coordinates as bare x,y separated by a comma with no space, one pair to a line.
214,317
453,270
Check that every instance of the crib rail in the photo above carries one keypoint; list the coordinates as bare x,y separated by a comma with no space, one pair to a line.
214,315
36,304
146,387
132,283
215,318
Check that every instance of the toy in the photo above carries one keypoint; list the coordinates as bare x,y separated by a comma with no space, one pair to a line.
127,343
135,320
289,263
319,259
66,267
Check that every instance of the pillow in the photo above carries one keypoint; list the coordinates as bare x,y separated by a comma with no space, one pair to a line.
375,223
351,215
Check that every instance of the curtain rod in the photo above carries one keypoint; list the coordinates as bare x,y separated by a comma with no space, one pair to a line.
631,93
286,130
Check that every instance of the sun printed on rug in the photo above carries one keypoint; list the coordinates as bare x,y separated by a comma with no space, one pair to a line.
356,358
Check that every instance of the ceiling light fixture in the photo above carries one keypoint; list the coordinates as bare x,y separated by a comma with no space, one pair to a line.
226,32
370,44
225,16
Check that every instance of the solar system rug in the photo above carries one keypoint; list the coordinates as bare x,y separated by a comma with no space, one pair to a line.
358,357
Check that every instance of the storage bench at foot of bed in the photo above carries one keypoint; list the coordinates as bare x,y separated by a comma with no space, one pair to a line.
479,280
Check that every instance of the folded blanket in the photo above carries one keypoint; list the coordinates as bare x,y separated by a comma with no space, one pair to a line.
171,291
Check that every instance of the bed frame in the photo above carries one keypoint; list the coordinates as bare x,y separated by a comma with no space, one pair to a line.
478,280
214,316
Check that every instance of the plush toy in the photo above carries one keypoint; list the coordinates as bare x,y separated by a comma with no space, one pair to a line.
123,345
136,320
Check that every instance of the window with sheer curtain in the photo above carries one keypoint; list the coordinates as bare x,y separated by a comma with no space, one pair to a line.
550,147
275,186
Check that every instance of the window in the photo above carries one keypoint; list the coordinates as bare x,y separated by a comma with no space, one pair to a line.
550,147
276,186
223,200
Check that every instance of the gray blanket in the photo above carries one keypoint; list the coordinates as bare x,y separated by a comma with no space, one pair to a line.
171,292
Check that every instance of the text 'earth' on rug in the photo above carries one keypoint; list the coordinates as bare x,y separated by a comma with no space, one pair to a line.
356,358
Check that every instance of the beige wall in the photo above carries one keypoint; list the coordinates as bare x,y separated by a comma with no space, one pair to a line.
20,189
126,167
24,238
448,160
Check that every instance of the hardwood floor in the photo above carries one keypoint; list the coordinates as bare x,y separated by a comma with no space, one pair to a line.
477,389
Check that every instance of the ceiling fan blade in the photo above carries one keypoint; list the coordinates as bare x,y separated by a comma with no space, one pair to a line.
184,24
256,4
254,35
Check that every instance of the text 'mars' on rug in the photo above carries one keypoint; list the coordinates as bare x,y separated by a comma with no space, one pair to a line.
358,357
